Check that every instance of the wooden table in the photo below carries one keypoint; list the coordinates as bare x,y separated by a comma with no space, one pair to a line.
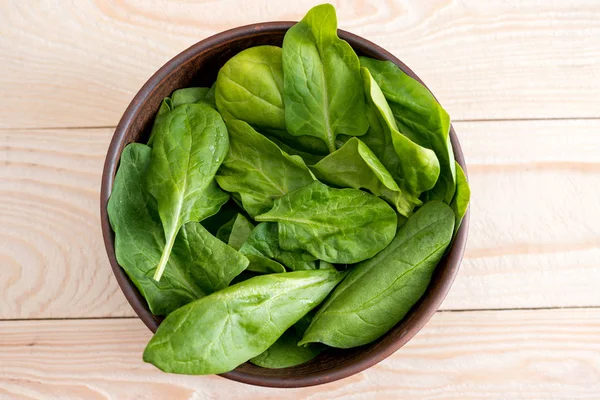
521,80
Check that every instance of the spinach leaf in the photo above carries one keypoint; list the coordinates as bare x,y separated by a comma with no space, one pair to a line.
139,240
335,225
285,352
419,117
354,165
190,144
226,213
258,170
415,168
299,144
210,95
262,246
225,230
211,263
461,199
219,332
240,231
165,106
379,292
306,156
323,94
189,95
249,88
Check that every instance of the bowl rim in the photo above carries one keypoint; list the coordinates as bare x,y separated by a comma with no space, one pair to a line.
426,307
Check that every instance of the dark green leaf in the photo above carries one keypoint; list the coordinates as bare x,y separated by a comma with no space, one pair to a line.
355,166
323,93
211,263
285,352
190,144
335,225
226,213
225,230
165,106
219,332
415,168
139,240
419,117
263,243
258,170
379,292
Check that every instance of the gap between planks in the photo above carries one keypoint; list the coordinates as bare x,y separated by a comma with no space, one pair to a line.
46,128
474,310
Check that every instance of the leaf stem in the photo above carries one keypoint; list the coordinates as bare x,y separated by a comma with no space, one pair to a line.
164,258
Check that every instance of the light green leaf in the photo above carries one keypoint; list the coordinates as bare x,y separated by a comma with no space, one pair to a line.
249,88
461,199
240,231
190,95
323,93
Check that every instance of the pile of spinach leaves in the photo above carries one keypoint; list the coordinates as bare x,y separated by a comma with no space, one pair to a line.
304,175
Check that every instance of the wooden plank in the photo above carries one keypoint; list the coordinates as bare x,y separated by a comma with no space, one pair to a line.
458,355
81,65
534,238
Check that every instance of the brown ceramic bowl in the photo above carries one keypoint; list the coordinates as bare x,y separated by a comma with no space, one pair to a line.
198,66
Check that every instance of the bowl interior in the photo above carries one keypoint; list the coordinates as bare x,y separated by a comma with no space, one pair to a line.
198,66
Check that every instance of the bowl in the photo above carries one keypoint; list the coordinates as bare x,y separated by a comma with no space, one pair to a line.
198,66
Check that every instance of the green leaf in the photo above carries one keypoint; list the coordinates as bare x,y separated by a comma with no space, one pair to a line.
262,246
285,352
190,95
308,157
461,199
249,88
379,292
335,225
139,240
240,231
210,95
219,332
225,230
258,170
415,168
165,106
355,166
226,213
420,118
212,263
190,144
323,93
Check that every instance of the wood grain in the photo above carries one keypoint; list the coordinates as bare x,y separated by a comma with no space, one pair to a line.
458,355
80,65
533,223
